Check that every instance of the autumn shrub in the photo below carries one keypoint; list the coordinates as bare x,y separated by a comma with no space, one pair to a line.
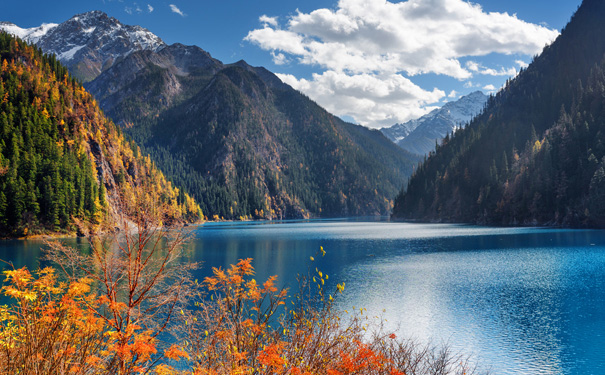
51,327
239,326
105,309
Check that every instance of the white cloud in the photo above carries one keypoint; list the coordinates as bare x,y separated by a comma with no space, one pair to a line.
521,63
489,88
473,66
370,99
510,72
149,8
135,8
176,10
279,58
382,39
477,68
414,36
269,21
453,94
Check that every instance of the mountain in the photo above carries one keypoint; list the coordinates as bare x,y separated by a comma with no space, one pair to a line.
536,154
61,160
150,82
88,43
235,137
419,136
245,144
398,132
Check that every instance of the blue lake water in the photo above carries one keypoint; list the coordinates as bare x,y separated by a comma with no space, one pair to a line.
519,300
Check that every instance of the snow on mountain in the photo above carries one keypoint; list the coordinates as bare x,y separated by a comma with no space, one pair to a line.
88,43
32,35
464,109
419,136
398,132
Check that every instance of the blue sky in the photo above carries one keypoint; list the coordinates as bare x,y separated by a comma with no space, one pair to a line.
374,62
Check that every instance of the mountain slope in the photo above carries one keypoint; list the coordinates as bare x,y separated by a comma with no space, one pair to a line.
535,155
419,136
61,160
243,143
88,43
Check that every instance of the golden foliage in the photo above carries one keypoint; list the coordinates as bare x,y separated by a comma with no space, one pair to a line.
72,113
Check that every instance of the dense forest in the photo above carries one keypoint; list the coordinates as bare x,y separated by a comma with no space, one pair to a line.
246,145
536,154
61,159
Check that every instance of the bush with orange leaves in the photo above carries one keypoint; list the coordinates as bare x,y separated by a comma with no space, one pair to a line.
49,329
107,314
243,327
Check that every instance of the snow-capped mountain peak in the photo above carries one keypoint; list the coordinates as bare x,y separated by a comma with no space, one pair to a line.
88,43
419,136
32,34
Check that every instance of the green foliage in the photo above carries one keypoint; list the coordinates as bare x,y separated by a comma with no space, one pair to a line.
56,148
41,172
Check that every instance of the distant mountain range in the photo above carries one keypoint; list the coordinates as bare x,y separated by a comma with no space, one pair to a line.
419,136
88,43
536,154
238,139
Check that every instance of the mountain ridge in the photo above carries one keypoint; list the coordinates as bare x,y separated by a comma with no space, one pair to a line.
219,119
241,121
420,135
88,43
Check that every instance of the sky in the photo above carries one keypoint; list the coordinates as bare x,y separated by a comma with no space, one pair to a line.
371,62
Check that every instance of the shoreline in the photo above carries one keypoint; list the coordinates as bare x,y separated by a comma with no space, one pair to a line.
534,224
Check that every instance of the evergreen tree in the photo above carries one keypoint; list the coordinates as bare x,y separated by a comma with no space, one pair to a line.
52,135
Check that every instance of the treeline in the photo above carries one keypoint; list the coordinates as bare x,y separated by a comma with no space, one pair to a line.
535,154
61,160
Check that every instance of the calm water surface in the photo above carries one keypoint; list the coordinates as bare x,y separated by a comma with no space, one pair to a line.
521,301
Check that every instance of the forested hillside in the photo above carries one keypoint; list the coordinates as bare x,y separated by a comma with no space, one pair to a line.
61,159
246,145
536,154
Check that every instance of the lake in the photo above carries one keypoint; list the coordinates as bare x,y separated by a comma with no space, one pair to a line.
519,300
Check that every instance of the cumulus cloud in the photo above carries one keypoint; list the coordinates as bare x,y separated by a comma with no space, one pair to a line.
380,39
414,36
480,69
149,8
489,88
268,21
379,100
453,94
176,10
279,58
